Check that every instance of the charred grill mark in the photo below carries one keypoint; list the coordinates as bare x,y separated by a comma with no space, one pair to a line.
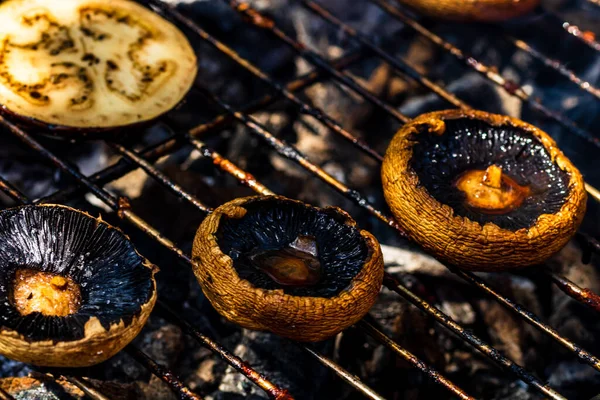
149,77
54,39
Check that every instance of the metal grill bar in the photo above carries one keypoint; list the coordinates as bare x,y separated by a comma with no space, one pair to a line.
237,363
584,295
293,154
163,373
260,21
82,385
12,192
303,107
395,285
585,37
592,191
379,336
399,65
488,72
345,375
159,176
532,319
557,66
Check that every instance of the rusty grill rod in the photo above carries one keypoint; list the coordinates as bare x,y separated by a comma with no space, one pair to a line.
12,192
345,375
82,385
237,363
583,36
399,64
557,66
379,336
314,112
293,154
159,176
588,297
163,373
125,212
260,21
531,318
488,72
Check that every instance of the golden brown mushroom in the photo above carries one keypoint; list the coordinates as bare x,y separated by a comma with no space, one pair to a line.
482,191
271,263
78,65
473,10
73,290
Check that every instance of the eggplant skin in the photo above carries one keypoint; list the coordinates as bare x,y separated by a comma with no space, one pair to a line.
472,10
301,318
457,240
90,64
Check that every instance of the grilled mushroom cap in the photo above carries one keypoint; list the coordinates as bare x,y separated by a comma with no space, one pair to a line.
73,290
473,10
482,191
94,64
271,263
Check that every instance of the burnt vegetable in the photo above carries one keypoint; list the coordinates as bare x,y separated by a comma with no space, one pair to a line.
482,191
72,64
473,10
271,263
73,290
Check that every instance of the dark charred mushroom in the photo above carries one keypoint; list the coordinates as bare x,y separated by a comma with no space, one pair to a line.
73,290
473,10
482,191
271,263
78,65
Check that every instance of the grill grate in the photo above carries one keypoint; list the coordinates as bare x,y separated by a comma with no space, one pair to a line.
337,70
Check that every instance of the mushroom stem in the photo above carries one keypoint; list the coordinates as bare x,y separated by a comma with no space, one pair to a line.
493,177
59,282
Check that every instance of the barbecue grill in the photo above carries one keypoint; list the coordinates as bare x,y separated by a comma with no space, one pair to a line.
137,154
